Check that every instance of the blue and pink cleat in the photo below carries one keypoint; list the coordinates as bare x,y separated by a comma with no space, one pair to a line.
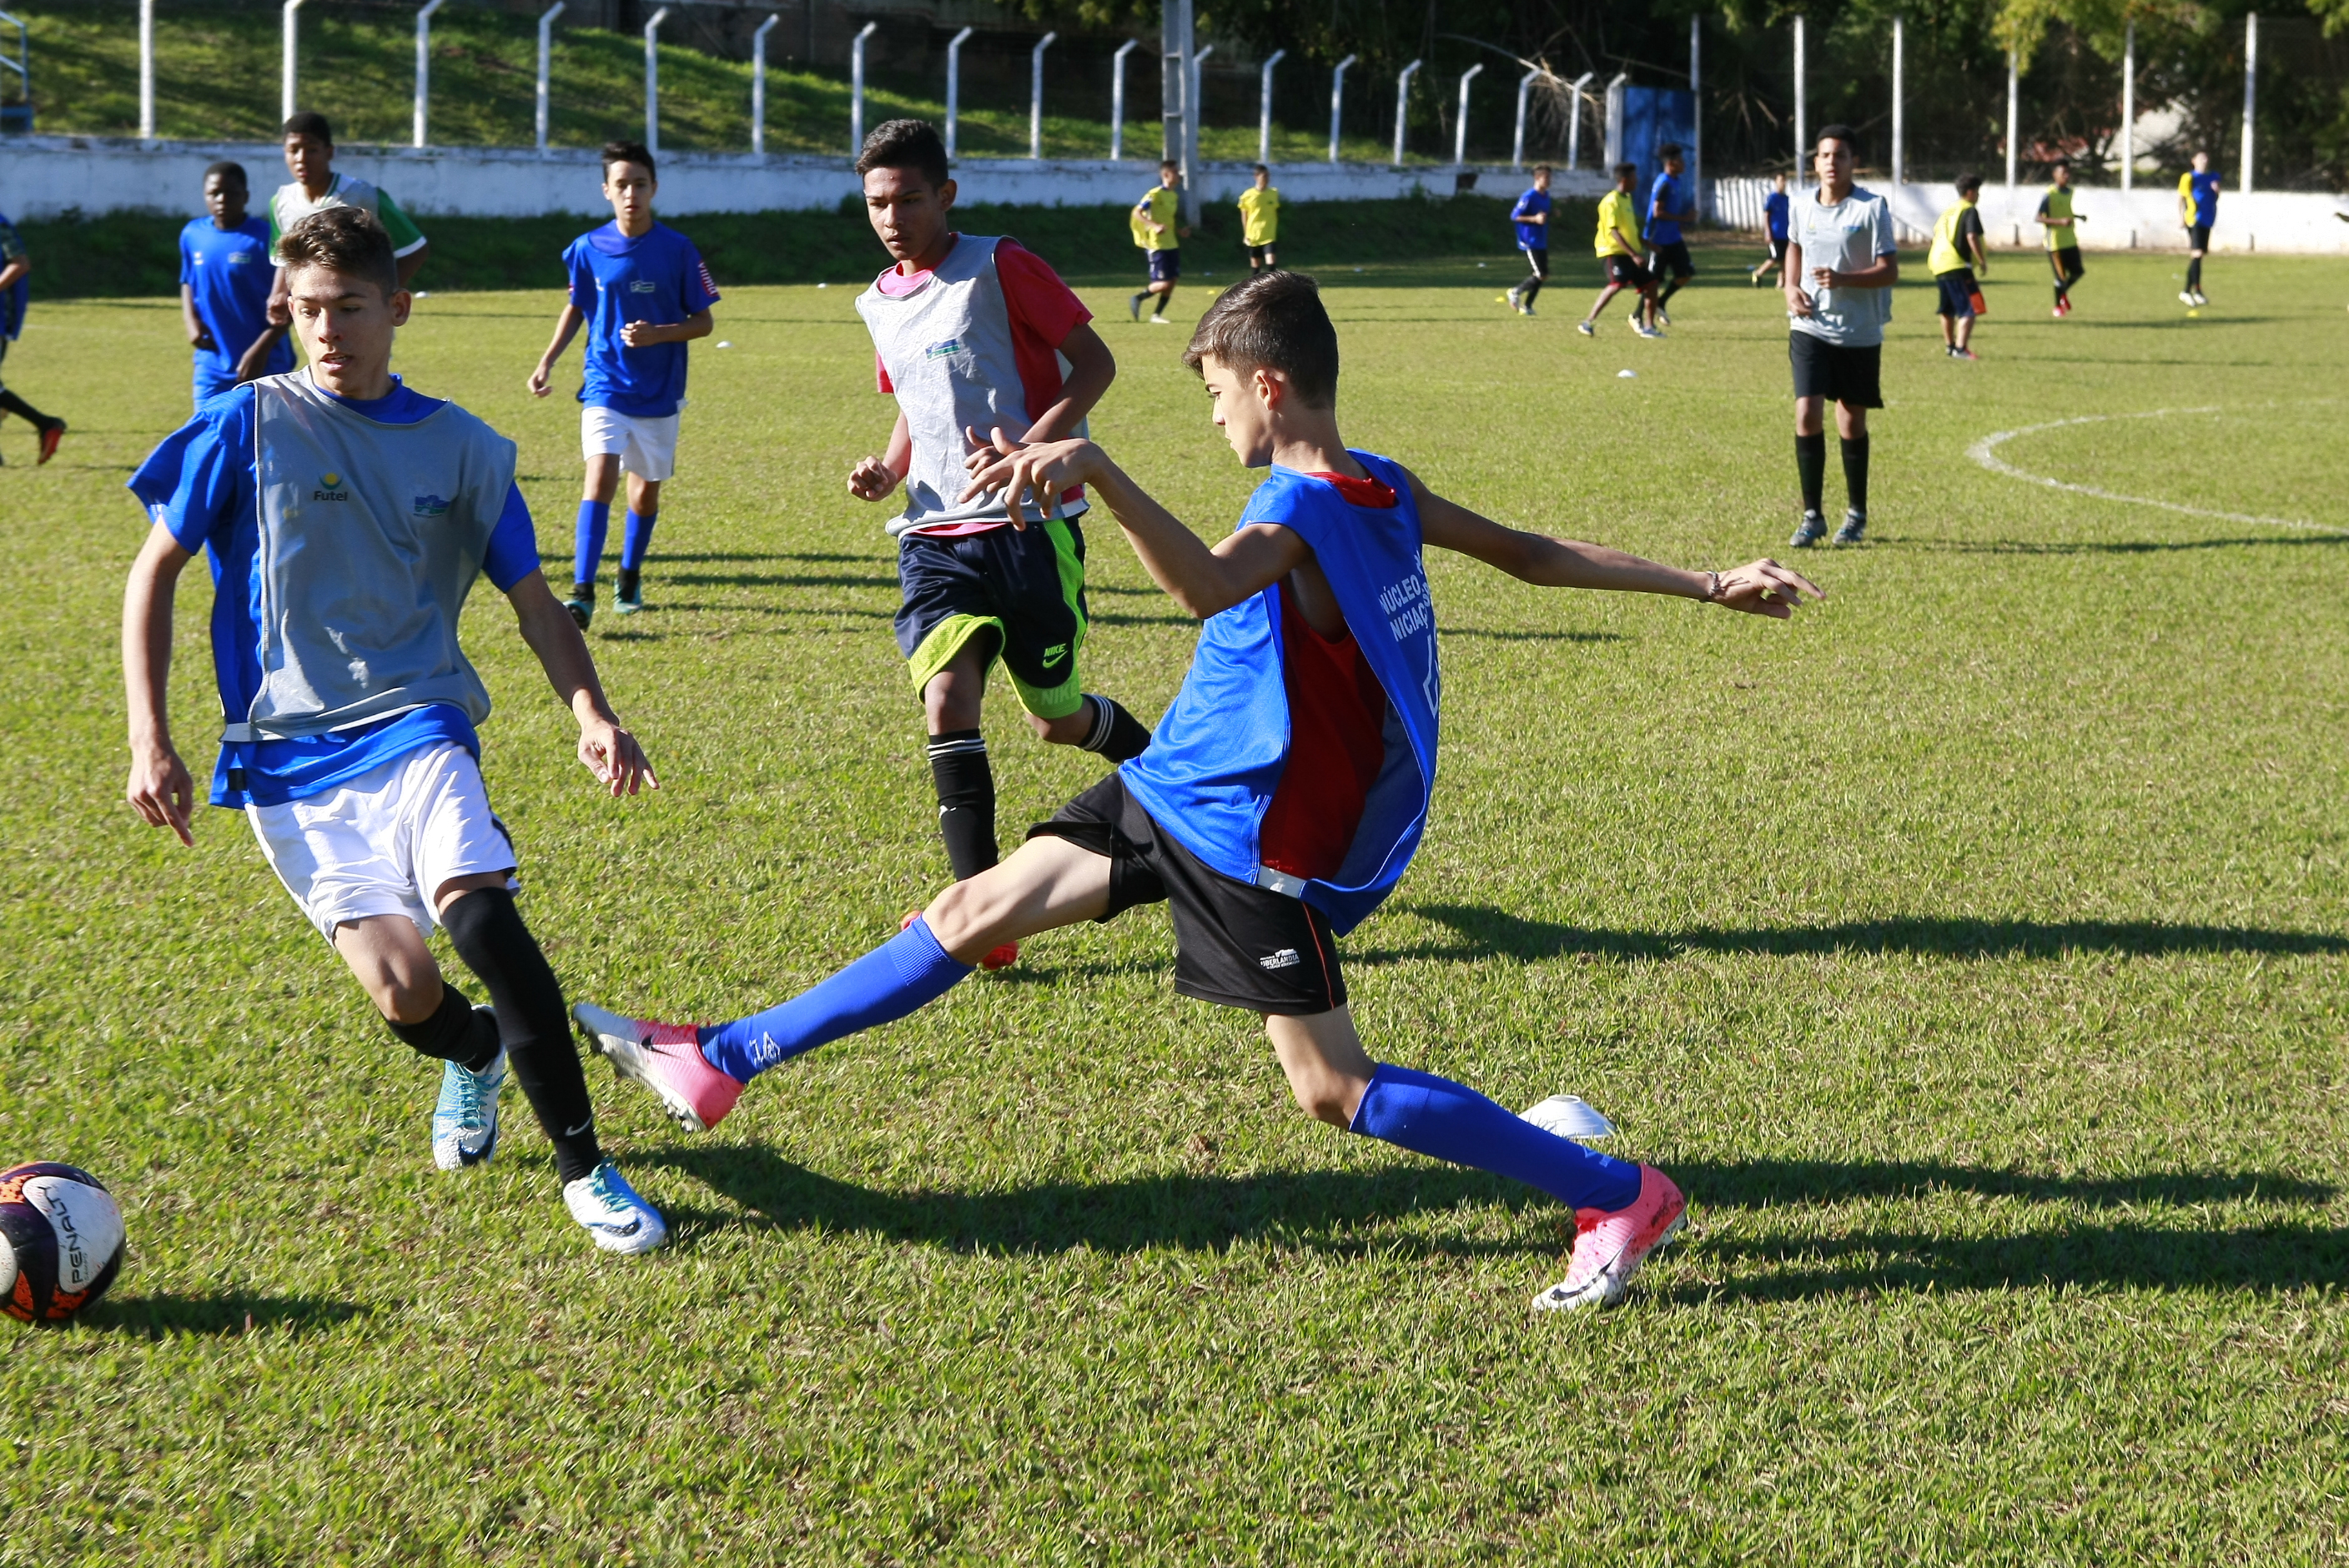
666,1060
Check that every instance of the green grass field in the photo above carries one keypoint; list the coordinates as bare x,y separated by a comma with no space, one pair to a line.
1971,949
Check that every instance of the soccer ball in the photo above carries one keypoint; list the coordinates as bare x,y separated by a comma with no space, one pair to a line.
60,1240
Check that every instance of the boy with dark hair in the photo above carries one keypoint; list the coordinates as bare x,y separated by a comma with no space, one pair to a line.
316,187
347,517
1618,244
1842,246
969,334
1669,206
2197,212
1284,794
1531,215
1957,256
225,278
1260,207
16,293
1156,231
1773,221
2062,228
644,292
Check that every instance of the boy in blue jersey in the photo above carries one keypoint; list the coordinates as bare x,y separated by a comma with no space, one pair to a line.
226,272
16,292
1775,210
1670,204
644,293
1284,794
2197,212
347,517
1531,215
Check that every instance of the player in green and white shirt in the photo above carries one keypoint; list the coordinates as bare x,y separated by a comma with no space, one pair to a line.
310,159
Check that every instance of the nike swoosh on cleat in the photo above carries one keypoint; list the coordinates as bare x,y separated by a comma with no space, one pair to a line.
630,1229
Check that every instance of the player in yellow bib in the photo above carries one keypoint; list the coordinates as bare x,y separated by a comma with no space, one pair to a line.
1156,230
1260,207
1618,247
2063,227
1956,256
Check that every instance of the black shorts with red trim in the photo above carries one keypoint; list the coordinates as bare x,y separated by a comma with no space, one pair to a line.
1235,944
1628,272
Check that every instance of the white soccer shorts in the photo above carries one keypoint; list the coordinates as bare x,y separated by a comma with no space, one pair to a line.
646,446
384,842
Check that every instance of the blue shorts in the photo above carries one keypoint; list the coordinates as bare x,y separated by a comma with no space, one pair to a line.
1165,266
1023,588
1957,292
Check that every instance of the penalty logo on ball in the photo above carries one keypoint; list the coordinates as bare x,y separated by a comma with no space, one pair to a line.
60,1240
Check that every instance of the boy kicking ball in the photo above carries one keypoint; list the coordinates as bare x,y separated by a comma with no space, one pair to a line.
644,292
1285,791
348,516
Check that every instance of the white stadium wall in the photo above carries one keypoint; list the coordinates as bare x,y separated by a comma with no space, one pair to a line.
43,176
2144,219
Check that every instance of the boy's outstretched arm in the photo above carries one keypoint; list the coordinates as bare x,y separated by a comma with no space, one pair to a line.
158,783
1204,581
605,749
566,327
1761,588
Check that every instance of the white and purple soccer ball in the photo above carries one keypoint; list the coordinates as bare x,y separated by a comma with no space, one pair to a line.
60,1240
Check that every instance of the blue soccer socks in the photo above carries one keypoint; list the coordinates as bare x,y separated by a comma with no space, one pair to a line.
1446,1121
636,540
595,526
908,971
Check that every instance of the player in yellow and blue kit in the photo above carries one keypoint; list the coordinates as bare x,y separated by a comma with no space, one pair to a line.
2197,212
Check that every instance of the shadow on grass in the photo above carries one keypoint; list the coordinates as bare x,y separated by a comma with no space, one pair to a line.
2121,547
162,1316
774,580
1346,1213
1521,635
1484,932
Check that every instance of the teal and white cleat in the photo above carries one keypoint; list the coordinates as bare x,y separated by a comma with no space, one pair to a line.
620,1221
465,1123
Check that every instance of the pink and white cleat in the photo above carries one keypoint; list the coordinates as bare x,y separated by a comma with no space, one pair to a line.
1610,1245
666,1060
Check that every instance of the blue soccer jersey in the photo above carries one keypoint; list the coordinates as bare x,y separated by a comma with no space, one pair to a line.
2202,193
1533,204
229,272
16,296
1776,211
658,277
1664,199
200,484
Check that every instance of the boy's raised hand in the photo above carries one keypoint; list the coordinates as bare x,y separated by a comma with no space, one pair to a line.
1041,471
1766,588
613,755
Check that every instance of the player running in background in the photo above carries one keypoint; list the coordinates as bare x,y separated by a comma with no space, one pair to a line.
310,159
1284,793
1260,207
969,334
2198,211
1156,230
1841,263
226,273
1531,215
1670,204
15,294
347,517
1618,244
1956,254
644,292
2063,229
1774,217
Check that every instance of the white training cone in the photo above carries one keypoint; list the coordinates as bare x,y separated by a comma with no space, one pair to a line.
1625,375
1569,1115
725,346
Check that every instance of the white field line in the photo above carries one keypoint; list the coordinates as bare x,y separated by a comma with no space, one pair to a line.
1985,453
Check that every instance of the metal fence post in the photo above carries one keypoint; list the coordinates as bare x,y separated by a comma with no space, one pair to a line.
1403,104
1696,113
146,70
1264,108
857,88
652,79
2013,111
286,82
2128,107
1036,98
1338,100
1460,125
1574,121
1117,98
2251,92
424,66
1802,107
545,63
1192,110
759,84
1900,84
1517,146
954,89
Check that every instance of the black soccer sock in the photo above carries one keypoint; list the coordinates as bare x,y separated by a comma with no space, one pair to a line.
489,935
454,1033
630,585
24,410
1671,289
1160,308
1811,463
966,801
1529,290
2194,274
1116,734
1855,471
